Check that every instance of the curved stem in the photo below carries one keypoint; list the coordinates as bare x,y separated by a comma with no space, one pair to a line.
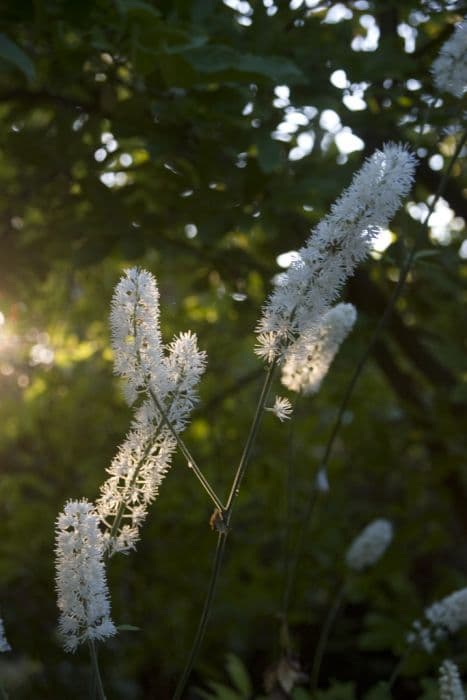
226,514
387,312
96,672
324,636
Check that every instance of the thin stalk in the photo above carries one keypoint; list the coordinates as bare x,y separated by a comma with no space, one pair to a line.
4,695
398,667
186,453
324,636
203,621
250,441
297,553
96,671
226,514
390,306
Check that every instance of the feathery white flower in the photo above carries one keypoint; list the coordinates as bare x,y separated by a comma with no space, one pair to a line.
166,379
369,546
337,245
450,68
282,408
308,359
82,593
450,685
444,617
4,646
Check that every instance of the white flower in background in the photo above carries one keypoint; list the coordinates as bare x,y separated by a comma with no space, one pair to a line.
166,379
444,617
450,686
282,408
369,546
336,246
450,68
82,593
307,361
4,646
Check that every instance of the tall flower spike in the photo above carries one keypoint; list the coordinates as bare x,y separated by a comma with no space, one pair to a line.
136,338
444,617
166,379
369,546
337,245
4,646
450,68
450,685
82,593
307,361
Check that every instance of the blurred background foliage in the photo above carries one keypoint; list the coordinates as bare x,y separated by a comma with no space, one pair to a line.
203,139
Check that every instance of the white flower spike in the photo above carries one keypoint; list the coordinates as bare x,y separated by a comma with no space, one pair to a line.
337,245
307,361
4,646
450,685
82,593
450,68
444,617
151,371
370,545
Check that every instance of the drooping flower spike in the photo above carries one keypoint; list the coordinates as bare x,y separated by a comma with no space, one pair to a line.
308,360
334,249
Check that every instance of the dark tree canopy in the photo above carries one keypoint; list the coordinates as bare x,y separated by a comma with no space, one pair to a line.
201,140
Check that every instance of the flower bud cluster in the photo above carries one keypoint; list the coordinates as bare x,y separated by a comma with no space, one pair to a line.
450,685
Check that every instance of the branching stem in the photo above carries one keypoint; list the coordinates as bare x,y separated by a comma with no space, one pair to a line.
226,514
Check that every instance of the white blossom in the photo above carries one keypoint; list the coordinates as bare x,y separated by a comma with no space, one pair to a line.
369,546
4,646
308,359
450,68
334,249
82,593
444,617
450,685
165,378
282,408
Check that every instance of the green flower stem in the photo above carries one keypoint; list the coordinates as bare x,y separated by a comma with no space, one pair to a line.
3,692
186,453
96,671
226,515
324,636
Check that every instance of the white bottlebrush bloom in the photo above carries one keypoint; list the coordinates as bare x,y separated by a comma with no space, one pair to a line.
336,246
82,593
307,361
4,646
282,408
450,685
166,379
444,617
369,546
450,68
